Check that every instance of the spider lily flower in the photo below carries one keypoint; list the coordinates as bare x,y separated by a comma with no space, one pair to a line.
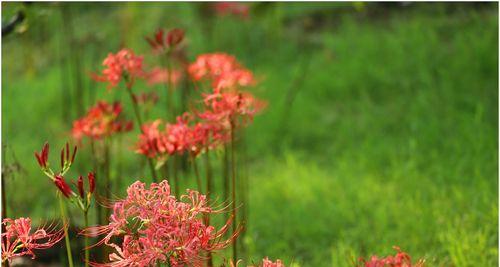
158,228
124,65
268,263
401,259
102,120
18,239
162,42
211,66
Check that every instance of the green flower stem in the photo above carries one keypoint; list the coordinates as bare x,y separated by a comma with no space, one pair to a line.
86,239
62,207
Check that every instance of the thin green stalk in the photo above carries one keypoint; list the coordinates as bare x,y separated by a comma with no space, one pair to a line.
208,169
86,239
139,121
197,174
62,207
233,192
176,178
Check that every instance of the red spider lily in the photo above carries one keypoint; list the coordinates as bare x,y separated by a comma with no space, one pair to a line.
232,8
162,76
158,228
162,42
212,66
180,137
401,259
268,263
101,120
122,65
18,241
91,178
237,108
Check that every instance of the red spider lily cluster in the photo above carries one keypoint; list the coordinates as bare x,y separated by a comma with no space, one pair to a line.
158,228
232,8
401,259
18,239
102,120
222,69
124,64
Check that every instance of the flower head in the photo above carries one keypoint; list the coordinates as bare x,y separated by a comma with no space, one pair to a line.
232,8
122,65
401,259
158,228
18,239
101,120
162,42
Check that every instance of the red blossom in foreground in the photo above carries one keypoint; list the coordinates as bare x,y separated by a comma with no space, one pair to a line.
223,70
101,120
18,241
401,259
124,64
232,8
162,76
158,228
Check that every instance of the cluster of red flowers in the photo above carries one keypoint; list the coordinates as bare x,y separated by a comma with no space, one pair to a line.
401,259
17,239
158,228
101,120
178,138
268,263
222,69
122,65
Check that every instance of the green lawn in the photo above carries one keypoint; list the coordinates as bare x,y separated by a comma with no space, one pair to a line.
381,127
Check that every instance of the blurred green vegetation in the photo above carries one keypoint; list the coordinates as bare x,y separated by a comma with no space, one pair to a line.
381,127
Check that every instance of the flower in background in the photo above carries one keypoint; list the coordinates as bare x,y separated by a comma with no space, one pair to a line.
102,120
162,42
122,65
268,263
18,240
158,228
241,10
223,70
401,259
162,76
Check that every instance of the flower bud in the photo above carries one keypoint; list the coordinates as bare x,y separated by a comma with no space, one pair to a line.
80,186
63,186
174,37
91,177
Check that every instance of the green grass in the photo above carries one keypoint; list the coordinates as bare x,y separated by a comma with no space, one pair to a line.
390,140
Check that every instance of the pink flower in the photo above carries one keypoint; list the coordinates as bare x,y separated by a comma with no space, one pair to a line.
158,228
122,65
18,241
401,259
268,263
101,120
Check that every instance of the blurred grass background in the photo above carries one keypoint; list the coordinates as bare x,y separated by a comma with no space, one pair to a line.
381,128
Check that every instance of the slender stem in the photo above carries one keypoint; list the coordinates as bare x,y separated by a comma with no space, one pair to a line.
196,173
139,121
62,207
107,179
176,178
208,169
233,192
86,239
225,176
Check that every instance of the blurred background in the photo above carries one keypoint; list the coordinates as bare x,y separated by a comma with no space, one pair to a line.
381,126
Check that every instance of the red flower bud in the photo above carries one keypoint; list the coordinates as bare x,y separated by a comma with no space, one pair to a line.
63,186
159,36
91,177
62,158
80,186
174,37
74,154
43,156
67,151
